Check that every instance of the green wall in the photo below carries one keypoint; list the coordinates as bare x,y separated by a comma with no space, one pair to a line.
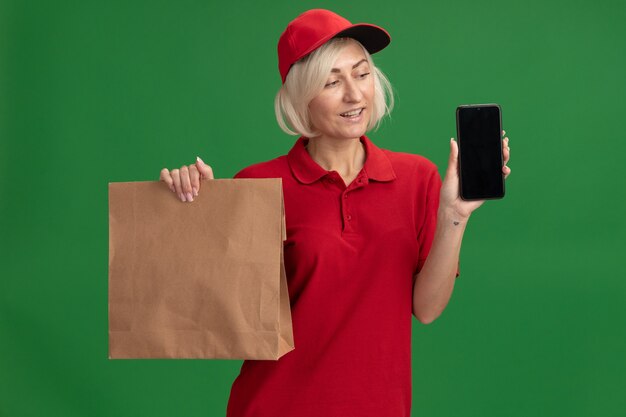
100,91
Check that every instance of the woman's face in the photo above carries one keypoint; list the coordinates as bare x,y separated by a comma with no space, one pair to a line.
342,110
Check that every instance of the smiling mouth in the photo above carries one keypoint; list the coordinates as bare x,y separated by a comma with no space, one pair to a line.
353,113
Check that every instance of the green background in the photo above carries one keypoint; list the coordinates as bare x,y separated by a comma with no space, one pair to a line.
100,91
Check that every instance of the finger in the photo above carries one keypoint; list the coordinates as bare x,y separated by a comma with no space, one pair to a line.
167,178
503,133
177,186
186,183
194,177
205,171
506,150
506,171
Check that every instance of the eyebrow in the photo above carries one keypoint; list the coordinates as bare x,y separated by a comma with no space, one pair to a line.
353,67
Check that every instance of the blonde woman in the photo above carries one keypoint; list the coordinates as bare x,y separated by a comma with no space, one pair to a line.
373,236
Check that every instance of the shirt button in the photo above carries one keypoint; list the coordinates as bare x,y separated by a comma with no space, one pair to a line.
345,196
348,217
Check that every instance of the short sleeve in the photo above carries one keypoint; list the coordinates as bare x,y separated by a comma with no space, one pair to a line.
240,174
245,173
426,230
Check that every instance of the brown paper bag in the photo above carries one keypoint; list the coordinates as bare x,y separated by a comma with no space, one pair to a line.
198,280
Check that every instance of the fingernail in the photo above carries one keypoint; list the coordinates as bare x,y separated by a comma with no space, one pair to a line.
200,160
189,197
195,192
182,197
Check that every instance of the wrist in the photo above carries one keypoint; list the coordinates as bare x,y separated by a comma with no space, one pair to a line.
448,216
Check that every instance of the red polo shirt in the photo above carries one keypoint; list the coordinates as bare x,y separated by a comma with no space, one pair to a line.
351,255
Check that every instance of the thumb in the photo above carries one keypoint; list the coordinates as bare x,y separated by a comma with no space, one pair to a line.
454,157
205,170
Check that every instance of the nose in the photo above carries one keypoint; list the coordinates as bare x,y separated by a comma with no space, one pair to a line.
352,92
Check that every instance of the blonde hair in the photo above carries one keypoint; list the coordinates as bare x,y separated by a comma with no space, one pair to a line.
307,78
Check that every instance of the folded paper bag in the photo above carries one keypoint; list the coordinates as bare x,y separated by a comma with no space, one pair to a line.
198,280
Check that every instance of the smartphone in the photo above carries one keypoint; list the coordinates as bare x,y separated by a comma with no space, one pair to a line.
479,134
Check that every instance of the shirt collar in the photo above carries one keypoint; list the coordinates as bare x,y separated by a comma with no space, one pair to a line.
306,170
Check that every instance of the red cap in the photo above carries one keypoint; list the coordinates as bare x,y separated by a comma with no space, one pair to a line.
313,28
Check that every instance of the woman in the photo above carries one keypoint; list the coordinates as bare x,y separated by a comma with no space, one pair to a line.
373,236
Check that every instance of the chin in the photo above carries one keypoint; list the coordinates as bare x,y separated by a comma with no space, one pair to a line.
356,133
343,133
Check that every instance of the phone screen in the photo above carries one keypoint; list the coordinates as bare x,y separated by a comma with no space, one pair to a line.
479,130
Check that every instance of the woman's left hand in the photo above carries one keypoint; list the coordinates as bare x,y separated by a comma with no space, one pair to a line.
450,197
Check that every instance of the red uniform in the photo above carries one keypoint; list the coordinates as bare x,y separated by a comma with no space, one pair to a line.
351,256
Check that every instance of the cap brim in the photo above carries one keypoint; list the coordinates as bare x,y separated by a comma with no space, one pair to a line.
372,37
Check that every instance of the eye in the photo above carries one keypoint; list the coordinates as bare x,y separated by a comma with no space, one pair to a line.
364,75
331,84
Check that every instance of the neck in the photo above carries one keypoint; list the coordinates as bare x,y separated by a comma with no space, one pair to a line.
346,156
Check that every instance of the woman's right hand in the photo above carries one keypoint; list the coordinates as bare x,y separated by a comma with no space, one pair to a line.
185,182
